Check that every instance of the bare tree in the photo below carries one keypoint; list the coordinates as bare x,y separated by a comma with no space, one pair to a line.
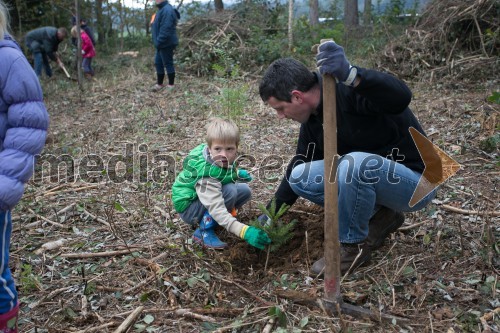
99,22
290,25
367,13
351,18
313,13
78,45
219,5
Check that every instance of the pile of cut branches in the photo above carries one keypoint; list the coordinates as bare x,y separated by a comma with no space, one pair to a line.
453,38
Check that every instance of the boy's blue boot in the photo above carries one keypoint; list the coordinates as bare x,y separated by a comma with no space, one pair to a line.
205,234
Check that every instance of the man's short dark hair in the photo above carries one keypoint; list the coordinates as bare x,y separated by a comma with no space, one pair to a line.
283,76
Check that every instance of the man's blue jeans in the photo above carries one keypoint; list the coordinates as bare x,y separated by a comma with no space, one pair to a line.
164,58
365,182
42,61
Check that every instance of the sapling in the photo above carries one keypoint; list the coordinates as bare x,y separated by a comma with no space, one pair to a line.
279,231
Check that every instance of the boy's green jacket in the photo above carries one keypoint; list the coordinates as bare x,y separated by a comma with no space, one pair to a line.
195,167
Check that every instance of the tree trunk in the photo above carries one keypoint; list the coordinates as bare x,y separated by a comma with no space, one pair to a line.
351,19
99,22
78,45
290,25
313,13
147,19
219,5
367,13
122,23
20,26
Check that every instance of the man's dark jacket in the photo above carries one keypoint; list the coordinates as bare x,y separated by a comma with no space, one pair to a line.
43,40
373,118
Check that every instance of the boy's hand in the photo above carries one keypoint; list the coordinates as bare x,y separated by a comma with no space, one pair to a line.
244,175
256,237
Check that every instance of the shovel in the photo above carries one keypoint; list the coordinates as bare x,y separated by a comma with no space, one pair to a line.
61,65
333,299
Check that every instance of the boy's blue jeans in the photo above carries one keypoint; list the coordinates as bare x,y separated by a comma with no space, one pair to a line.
235,195
365,182
8,293
42,61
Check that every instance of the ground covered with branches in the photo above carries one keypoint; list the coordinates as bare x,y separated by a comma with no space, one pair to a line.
97,246
93,250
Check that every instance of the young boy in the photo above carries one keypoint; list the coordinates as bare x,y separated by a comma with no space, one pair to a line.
207,190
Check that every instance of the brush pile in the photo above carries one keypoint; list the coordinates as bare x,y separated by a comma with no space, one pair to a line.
454,38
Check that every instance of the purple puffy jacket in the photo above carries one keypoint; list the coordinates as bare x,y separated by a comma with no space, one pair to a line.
23,122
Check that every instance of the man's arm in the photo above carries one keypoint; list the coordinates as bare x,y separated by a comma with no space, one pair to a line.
379,92
309,148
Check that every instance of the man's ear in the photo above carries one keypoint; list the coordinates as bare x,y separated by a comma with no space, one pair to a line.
297,96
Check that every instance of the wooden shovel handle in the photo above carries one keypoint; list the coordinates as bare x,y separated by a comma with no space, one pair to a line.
64,69
332,245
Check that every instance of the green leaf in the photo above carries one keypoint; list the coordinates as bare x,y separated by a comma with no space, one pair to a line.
148,319
119,207
192,281
472,281
408,270
494,98
303,322
144,297
427,239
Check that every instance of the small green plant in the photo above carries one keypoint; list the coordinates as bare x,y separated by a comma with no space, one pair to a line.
279,231
29,281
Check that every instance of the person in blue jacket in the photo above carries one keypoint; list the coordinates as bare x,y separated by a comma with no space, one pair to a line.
23,128
165,40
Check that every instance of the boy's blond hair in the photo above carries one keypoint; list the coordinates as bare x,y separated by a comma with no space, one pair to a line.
223,130
74,32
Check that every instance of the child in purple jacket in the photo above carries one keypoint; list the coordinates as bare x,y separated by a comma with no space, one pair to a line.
23,128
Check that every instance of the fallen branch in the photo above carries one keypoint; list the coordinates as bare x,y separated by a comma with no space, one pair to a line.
269,326
130,320
140,285
413,226
470,212
46,219
95,254
101,328
52,245
251,293
188,314
98,219
49,296
71,190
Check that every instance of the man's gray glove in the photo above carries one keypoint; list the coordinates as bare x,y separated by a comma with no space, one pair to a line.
331,60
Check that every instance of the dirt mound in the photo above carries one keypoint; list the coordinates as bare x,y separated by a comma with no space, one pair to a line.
304,248
453,38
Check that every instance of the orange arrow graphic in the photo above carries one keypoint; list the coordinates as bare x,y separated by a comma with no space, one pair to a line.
438,166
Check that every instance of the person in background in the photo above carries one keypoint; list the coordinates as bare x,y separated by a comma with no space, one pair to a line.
23,129
43,43
84,27
165,40
88,52
209,189
380,165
